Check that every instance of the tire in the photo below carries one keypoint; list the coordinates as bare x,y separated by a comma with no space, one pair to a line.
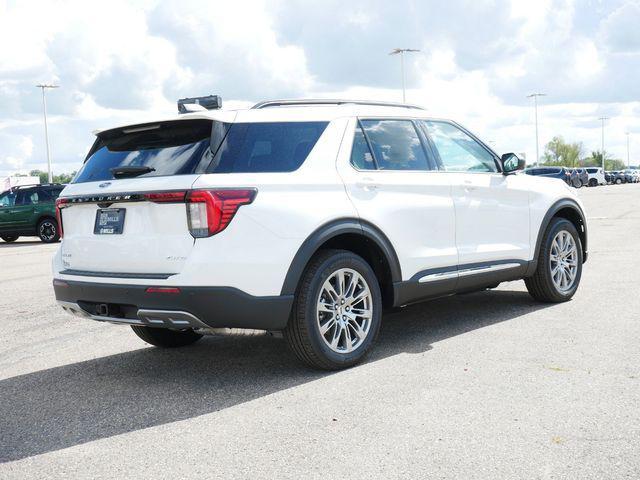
165,338
303,334
48,230
618,181
9,238
593,182
541,285
577,183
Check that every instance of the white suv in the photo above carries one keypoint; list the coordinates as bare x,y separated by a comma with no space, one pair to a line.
305,217
596,176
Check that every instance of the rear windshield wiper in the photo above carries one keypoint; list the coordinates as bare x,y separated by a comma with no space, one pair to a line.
126,172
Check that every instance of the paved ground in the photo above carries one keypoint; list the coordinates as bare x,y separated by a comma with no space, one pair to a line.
488,385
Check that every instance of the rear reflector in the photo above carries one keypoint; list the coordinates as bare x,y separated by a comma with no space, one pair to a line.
170,290
166,197
59,283
60,204
210,211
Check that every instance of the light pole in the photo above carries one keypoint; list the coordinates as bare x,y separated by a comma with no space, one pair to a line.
535,103
402,51
603,119
628,156
44,86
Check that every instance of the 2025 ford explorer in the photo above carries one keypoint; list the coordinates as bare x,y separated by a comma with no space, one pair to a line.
307,217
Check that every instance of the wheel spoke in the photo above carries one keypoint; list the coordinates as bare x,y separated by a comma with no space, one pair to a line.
328,325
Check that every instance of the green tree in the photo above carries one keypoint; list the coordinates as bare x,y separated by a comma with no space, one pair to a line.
560,153
60,178
610,163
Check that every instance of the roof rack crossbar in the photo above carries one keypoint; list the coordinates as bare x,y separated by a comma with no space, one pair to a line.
321,101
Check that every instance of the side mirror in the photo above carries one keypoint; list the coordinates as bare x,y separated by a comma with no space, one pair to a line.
511,163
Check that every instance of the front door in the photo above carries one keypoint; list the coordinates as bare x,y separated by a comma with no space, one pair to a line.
492,209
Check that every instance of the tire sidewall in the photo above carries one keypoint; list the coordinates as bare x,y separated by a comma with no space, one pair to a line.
558,225
325,270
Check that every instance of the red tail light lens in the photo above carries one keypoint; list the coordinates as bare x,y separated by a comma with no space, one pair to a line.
60,204
210,211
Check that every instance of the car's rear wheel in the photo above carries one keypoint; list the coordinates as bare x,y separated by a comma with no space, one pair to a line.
48,230
336,313
593,182
618,181
163,337
559,266
9,238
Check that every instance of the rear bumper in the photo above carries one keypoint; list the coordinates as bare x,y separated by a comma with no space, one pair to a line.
193,307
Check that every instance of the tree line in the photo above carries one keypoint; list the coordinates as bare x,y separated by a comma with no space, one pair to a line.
44,176
560,153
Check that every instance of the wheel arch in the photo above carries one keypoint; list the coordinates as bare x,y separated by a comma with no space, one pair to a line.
354,235
570,210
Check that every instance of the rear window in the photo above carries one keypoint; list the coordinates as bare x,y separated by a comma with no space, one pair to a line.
197,146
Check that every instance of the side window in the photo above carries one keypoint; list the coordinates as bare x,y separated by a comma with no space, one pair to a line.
361,156
7,199
27,197
458,151
396,145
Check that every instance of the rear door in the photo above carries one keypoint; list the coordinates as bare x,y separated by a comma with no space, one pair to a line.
391,179
491,209
22,216
110,223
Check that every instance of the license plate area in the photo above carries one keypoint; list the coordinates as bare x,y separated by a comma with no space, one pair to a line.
109,221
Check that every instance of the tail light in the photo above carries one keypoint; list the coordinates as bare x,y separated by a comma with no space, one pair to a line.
60,204
210,211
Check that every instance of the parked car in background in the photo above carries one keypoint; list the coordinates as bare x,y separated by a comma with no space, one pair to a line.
631,176
596,176
30,211
618,178
560,173
609,176
583,176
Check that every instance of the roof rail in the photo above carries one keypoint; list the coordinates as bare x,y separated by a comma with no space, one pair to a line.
322,101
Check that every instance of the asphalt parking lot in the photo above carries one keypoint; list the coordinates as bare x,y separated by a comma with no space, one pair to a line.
485,385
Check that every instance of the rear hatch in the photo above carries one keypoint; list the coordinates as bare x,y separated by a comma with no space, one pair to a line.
112,218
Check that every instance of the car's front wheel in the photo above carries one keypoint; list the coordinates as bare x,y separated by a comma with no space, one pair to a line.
163,337
48,230
9,238
337,311
559,266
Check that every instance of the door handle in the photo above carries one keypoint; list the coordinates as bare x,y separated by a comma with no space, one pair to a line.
367,184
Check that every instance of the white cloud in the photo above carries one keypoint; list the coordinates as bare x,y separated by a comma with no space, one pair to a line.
130,61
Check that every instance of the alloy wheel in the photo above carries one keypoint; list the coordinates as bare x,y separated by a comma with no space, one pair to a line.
344,310
563,261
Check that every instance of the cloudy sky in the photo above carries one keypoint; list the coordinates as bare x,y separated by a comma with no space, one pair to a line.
126,61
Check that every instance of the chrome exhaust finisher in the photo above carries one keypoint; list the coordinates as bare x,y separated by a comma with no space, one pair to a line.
146,317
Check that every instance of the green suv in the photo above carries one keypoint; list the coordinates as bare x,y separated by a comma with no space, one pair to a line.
30,210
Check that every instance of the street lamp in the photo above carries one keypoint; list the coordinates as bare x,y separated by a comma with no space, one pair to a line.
628,156
603,119
402,51
535,103
44,86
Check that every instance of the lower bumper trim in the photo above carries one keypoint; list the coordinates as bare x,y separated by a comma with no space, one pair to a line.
193,307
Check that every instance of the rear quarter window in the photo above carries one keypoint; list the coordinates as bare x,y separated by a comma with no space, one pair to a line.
266,147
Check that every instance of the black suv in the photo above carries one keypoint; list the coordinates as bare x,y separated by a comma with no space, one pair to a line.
30,210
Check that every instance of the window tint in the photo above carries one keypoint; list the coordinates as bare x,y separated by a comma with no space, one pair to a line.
592,170
396,145
266,147
49,194
7,199
361,156
458,151
27,197
170,148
